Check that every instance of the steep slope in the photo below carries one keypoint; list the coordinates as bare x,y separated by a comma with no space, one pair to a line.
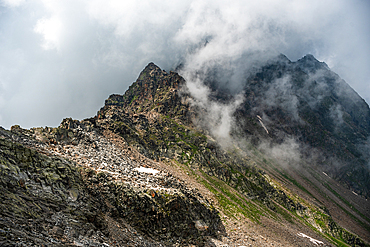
314,127
322,125
145,118
308,102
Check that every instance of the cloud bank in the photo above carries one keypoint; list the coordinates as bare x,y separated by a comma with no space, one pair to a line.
63,58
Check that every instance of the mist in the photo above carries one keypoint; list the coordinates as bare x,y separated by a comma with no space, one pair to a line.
64,58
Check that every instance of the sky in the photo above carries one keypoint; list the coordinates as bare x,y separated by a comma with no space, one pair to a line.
62,59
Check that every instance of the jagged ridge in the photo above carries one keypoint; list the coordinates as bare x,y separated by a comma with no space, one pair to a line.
156,118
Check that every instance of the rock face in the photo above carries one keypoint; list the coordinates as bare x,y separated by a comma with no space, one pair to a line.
154,91
306,101
141,173
45,201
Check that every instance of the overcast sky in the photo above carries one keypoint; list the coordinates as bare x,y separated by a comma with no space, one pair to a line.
64,58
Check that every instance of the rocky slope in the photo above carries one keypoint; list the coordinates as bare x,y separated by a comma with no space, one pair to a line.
82,188
176,137
141,173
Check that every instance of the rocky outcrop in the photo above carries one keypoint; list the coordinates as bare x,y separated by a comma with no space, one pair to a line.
49,199
154,91
45,201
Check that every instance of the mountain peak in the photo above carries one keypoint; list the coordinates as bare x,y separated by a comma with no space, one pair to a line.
309,57
151,66
151,70
155,90
310,64
281,57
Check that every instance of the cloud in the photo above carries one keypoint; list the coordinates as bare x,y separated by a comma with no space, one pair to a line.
12,3
280,93
63,58
50,29
364,149
286,153
214,116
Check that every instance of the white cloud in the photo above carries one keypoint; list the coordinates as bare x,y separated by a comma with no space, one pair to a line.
13,3
50,29
216,117
285,153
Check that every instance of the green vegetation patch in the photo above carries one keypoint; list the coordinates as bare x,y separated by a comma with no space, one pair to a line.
231,203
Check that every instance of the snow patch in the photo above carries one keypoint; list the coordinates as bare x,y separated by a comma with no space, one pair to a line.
146,170
260,120
315,241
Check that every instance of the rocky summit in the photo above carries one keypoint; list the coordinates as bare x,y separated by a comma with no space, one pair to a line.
147,170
